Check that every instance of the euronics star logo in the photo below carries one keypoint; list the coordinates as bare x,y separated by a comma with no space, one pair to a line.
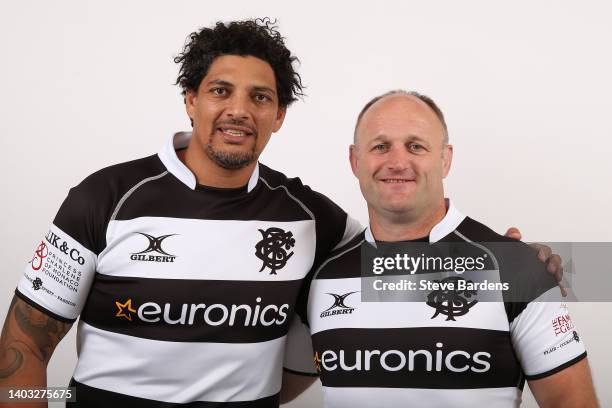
317,362
122,307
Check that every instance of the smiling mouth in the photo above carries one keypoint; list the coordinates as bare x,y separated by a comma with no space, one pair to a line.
396,181
235,132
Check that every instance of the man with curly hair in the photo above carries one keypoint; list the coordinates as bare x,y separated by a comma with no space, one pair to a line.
184,267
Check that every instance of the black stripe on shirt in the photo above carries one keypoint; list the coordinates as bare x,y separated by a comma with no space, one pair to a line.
192,310
485,357
92,397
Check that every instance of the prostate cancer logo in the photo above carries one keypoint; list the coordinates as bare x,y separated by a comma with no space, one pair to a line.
273,247
154,244
451,302
338,307
125,309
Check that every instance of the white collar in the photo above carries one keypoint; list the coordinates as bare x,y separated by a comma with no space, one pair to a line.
175,166
448,224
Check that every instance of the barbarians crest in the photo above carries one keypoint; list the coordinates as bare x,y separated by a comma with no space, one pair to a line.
273,248
451,302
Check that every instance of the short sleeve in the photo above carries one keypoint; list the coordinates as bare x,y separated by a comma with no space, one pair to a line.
545,337
59,275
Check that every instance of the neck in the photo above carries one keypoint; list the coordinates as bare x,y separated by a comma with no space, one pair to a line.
393,228
209,173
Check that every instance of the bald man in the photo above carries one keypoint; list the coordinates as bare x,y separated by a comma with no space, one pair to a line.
457,347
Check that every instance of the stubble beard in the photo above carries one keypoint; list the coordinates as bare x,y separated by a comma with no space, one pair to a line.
231,160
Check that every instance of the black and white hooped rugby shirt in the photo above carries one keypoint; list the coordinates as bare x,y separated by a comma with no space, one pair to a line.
398,354
185,293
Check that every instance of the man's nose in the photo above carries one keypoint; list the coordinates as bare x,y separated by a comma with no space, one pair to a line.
237,107
397,159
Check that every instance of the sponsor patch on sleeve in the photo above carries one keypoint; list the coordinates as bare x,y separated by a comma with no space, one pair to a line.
59,274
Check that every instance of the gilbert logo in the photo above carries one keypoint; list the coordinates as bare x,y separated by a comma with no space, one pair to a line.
155,246
339,307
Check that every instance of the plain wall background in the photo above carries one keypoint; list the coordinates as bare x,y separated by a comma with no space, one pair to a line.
525,87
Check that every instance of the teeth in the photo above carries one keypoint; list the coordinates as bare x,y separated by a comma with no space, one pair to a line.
394,181
233,132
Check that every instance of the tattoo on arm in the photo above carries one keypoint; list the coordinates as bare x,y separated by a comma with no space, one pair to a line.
16,359
28,327
11,359
44,331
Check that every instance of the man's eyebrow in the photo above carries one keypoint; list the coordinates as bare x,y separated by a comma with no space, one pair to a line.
219,82
264,89
413,138
379,138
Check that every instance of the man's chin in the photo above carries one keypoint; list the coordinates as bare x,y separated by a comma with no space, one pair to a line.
399,206
400,209
230,160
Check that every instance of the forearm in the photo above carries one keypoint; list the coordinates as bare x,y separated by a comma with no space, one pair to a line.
21,368
28,339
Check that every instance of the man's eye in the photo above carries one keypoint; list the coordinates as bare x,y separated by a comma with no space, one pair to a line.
415,147
262,98
380,147
219,91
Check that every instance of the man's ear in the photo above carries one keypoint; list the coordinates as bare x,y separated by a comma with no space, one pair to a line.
280,117
190,101
353,158
447,159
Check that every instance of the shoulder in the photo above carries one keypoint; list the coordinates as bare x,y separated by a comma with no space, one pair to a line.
332,222
318,204
478,232
512,255
88,206
119,178
516,261
512,252
344,261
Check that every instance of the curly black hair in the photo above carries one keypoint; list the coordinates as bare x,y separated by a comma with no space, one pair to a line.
258,38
